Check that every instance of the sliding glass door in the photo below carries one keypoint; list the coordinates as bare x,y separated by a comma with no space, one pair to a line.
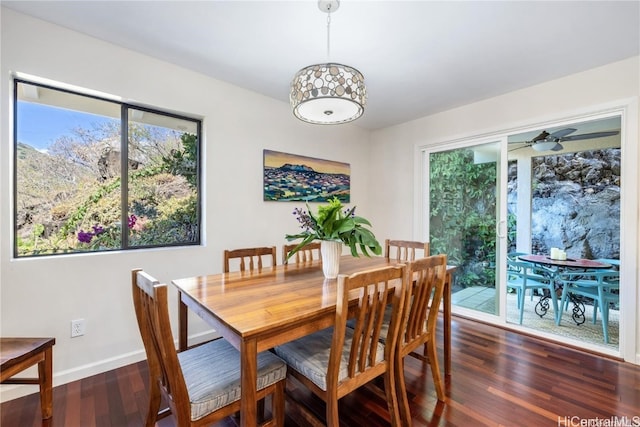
463,217
567,195
524,193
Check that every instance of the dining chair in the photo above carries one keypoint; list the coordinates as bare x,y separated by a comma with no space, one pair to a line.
249,258
521,277
337,360
405,250
418,327
601,286
308,252
201,384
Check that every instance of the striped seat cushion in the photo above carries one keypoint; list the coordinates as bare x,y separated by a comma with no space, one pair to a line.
212,375
310,355
384,328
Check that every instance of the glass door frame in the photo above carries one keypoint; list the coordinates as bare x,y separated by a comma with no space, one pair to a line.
422,213
629,111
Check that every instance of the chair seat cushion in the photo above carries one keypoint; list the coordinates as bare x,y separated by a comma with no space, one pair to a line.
212,375
310,355
384,328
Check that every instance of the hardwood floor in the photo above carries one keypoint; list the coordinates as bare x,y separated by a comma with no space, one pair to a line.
500,378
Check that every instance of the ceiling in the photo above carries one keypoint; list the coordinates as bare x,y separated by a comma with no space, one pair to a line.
418,57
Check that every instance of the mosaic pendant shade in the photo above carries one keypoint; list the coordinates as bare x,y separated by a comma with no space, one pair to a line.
328,94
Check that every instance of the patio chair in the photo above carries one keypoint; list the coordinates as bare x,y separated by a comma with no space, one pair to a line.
521,277
600,286
536,271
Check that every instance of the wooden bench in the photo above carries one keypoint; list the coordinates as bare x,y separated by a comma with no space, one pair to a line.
18,354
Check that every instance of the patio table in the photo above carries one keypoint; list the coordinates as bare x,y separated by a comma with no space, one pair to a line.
569,264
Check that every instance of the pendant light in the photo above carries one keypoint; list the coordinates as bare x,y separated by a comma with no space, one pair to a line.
328,93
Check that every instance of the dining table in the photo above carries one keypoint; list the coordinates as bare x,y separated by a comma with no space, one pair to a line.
260,309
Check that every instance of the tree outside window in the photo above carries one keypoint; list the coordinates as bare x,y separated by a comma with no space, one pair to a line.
98,175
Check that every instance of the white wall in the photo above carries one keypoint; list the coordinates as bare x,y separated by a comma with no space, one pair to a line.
39,297
394,151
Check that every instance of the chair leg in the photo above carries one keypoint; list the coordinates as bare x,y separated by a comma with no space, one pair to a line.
332,410
390,389
554,302
154,403
401,389
605,318
435,369
521,302
563,303
605,321
277,404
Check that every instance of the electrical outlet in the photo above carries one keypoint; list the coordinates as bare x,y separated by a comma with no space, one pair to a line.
78,328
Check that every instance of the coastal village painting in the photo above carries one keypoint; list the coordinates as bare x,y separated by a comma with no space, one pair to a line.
294,178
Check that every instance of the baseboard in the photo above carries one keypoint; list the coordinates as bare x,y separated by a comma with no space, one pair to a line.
14,391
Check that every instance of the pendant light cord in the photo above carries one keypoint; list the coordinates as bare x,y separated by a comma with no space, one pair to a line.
329,34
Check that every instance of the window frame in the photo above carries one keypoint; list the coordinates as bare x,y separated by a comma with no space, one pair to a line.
125,109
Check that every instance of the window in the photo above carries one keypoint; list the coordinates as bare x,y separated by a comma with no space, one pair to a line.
93,174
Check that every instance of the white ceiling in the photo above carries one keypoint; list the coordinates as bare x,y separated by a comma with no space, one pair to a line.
418,57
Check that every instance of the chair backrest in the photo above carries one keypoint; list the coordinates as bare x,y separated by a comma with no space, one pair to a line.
152,312
308,252
608,279
517,267
377,289
249,258
405,250
422,301
519,272
513,256
614,262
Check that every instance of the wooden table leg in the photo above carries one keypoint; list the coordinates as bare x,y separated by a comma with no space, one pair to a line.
45,375
447,324
182,324
20,353
249,378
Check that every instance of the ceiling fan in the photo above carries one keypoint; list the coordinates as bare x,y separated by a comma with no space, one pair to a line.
546,141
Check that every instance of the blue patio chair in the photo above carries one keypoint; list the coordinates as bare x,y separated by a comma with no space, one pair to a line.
598,285
521,277
614,262
536,271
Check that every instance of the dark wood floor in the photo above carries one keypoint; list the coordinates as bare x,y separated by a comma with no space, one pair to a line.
500,378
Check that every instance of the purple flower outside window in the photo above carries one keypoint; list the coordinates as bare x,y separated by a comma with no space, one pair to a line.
97,230
132,221
85,237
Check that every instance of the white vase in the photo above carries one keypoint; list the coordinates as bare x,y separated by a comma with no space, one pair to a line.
331,251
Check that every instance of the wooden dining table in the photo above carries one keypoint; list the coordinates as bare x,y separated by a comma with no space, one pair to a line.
258,310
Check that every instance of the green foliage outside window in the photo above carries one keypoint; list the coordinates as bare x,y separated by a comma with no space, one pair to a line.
69,193
463,215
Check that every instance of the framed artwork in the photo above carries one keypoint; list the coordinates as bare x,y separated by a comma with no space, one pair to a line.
294,178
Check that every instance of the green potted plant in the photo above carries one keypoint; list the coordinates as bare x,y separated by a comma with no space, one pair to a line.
334,227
